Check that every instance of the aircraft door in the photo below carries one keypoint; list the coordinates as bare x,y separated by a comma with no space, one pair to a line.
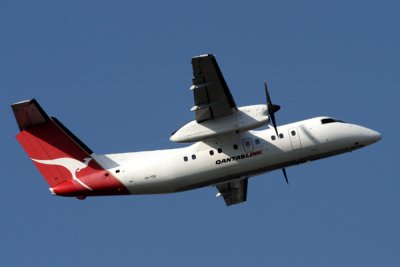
248,145
294,138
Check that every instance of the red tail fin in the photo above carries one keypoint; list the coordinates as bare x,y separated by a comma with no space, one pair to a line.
63,160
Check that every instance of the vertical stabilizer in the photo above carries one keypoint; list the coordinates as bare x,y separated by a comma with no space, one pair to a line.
63,159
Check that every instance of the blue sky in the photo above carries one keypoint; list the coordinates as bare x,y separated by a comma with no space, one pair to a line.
118,73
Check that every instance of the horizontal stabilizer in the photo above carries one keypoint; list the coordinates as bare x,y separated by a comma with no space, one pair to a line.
29,113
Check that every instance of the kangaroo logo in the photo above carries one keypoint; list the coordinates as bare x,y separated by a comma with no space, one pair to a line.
72,165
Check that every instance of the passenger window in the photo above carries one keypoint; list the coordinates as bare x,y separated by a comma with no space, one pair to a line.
281,135
257,141
193,156
235,147
211,152
273,137
293,133
247,143
185,158
219,150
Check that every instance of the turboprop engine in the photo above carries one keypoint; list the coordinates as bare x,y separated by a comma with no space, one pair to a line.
243,119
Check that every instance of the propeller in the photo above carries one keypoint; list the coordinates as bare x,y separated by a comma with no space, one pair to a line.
272,108
284,174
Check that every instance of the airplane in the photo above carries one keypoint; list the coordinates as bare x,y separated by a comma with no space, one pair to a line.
228,145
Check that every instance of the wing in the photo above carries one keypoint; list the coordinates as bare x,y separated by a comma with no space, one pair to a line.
212,98
234,192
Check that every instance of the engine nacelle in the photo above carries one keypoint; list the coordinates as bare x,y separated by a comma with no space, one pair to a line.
244,119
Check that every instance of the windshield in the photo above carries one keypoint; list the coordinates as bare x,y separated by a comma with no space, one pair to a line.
330,120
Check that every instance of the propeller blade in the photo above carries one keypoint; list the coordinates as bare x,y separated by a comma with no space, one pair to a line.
269,102
284,174
272,115
271,107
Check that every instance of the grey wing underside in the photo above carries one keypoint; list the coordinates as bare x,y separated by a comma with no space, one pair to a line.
234,192
212,97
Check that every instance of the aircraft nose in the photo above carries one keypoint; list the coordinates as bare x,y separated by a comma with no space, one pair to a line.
375,136
370,136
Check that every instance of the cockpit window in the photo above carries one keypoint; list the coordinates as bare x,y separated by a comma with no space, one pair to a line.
330,120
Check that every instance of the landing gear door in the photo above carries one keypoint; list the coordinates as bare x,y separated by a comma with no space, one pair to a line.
294,138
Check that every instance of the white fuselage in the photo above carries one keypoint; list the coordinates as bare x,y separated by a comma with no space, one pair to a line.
236,155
